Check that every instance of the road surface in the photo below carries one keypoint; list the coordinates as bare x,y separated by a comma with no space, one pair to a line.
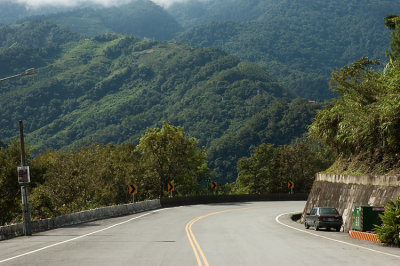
250,233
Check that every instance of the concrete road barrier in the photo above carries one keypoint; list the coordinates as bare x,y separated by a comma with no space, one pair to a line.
15,230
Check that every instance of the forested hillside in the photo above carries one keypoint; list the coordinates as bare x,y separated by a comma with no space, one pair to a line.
299,42
362,125
34,44
141,18
112,87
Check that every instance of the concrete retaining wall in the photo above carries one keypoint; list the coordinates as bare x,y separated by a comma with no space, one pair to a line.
14,230
344,192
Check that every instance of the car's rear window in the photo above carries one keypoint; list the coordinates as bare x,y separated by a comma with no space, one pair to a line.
328,211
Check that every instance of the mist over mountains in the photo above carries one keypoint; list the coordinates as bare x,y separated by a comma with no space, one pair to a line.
34,4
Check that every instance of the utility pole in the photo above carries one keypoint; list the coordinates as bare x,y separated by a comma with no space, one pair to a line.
23,171
24,180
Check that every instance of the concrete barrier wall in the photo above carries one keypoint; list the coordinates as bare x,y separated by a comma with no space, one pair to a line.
14,230
344,192
191,200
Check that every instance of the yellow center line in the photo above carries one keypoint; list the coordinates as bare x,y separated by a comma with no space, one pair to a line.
193,241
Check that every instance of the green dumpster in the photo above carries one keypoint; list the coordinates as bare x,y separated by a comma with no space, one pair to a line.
365,217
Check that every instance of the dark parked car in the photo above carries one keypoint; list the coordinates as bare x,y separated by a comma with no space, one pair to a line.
325,217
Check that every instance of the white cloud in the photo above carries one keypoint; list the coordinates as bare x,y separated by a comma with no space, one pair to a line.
72,3
167,3
69,3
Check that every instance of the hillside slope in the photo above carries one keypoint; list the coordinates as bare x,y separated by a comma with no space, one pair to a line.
141,18
299,42
112,87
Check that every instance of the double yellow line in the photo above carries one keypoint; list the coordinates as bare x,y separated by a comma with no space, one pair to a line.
198,252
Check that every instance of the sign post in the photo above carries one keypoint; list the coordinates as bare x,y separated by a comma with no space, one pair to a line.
214,186
171,187
291,186
24,179
133,191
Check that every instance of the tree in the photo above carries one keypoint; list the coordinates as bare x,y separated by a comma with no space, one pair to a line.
389,231
269,168
256,173
393,23
10,193
93,176
362,124
348,124
168,155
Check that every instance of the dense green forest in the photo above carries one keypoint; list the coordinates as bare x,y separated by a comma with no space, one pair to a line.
98,175
114,109
141,18
361,126
298,42
112,87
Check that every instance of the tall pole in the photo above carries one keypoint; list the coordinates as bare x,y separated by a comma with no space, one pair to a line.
23,171
24,187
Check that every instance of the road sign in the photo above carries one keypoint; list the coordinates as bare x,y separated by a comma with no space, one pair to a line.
23,174
214,185
290,184
132,189
171,187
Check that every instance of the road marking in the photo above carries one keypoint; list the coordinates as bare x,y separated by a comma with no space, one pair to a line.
193,241
79,237
328,238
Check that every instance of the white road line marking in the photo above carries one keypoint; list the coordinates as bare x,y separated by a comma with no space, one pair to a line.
79,237
328,238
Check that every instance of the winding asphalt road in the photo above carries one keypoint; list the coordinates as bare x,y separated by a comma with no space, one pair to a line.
250,233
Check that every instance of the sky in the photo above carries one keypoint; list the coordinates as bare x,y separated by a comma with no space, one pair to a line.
71,3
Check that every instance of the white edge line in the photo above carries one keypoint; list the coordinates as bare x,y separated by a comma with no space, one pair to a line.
76,238
335,240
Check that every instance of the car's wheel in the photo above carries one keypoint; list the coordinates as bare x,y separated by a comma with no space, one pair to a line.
337,229
306,225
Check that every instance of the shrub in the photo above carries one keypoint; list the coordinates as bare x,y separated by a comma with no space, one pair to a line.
389,231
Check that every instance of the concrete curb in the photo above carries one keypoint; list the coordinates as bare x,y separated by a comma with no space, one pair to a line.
14,230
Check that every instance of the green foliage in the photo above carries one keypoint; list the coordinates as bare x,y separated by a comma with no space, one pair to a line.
169,156
111,88
97,175
138,17
279,124
362,125
90,177
10,193
299,42
389,231
269,168
34,44
393,23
